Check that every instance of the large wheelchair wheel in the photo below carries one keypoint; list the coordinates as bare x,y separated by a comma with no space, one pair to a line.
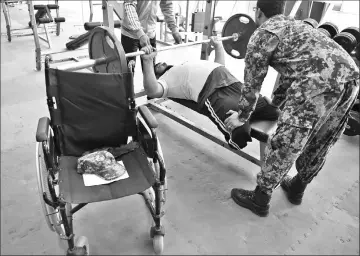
52,215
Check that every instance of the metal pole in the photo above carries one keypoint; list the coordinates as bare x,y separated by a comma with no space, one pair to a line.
36,36
210,8
187,21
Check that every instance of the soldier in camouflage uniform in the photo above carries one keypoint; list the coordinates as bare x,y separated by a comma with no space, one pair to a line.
318,86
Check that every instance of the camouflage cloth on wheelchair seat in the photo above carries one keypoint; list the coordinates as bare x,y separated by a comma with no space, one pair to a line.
102,162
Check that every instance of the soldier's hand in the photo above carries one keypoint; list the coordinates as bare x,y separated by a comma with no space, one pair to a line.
144,40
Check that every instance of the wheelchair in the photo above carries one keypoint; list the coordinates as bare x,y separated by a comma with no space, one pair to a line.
90,111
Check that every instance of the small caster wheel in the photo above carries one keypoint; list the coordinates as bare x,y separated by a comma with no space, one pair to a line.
81,246
158,244
153,233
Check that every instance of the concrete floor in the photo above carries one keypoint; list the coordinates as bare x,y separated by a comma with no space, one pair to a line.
200,216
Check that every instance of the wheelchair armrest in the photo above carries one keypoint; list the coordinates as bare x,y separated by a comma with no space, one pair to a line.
148,117
42,129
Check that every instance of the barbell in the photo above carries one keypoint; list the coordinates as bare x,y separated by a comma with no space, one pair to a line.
107,54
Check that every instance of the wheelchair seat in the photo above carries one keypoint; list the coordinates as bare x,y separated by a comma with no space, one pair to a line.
74,191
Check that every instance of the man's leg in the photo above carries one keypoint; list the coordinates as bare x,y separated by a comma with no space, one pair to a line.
227,98
130,45
313,157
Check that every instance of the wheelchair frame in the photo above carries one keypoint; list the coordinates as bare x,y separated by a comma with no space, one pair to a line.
60,221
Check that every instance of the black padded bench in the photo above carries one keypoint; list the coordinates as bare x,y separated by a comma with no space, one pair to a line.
260,130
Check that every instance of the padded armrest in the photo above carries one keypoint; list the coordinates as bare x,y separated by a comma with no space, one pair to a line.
148,117
42,129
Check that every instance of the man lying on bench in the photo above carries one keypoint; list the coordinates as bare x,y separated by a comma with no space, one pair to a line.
210,85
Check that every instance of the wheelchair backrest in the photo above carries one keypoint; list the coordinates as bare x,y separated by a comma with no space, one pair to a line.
89,110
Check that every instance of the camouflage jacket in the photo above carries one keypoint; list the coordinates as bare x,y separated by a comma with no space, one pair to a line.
310,64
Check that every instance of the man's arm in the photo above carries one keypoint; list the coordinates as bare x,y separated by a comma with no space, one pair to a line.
279,93
152,88
258,56
219,54
132,17
168,11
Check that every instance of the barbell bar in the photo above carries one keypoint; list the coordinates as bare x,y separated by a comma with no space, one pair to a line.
105,48
103,60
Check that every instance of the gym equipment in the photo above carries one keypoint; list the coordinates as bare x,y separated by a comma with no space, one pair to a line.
60,185
353,124
346,40
43,15
102,43
20,32
311,22
324,31
102,46
238,23
354,31
108,8
331,28
43,11
357,51
84,38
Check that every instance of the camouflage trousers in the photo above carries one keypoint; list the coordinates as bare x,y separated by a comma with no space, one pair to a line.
306,147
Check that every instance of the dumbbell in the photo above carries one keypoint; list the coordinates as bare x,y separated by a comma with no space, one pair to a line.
331,29
348,38
311,22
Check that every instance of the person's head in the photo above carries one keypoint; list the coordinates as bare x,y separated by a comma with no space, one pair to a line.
265,9
160,68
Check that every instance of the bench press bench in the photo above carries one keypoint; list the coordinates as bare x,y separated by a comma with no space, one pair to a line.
260,130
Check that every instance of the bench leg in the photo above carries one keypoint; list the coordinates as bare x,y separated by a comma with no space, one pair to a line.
262,150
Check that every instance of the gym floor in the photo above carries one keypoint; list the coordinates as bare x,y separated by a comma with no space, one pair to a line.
200,216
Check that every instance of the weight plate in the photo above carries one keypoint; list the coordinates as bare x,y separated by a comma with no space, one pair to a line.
346,40
354,31
311,22
332,28
104,44
324,31
245,27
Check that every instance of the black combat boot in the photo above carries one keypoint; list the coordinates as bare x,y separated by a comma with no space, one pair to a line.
294,188
256,201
